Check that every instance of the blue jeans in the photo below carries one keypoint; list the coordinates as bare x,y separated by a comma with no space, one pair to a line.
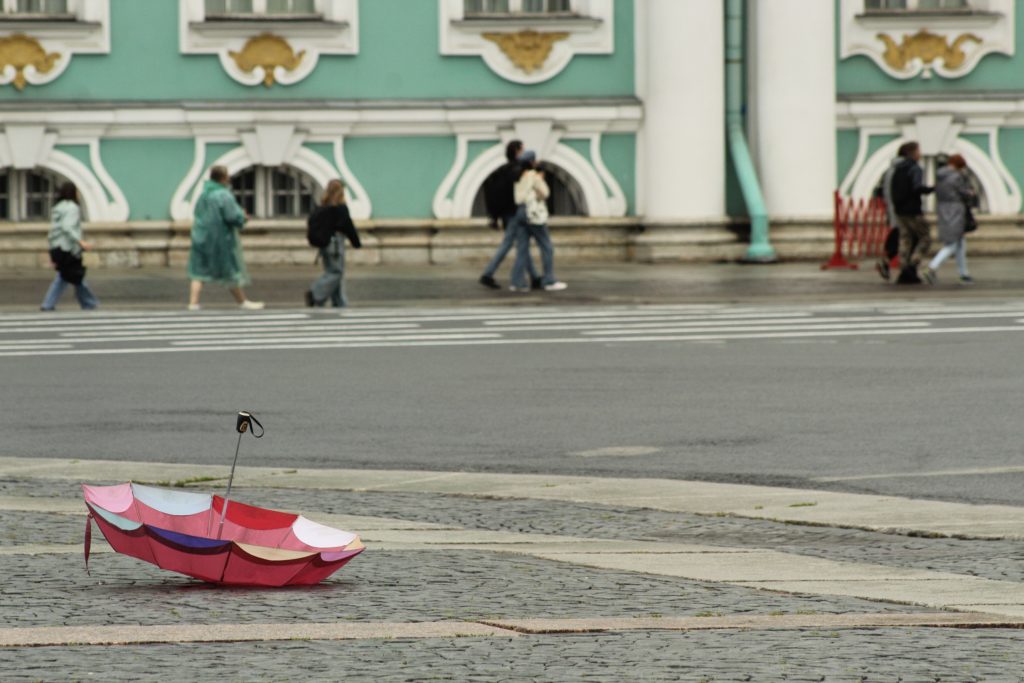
86,299
507,242
960,249
541,235
331,284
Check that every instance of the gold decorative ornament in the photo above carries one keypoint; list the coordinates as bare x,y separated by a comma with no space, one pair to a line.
928,47
268,52
21,52
527,49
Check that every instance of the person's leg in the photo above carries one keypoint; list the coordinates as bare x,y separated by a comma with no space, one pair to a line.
326,285
508,241
906,241
86,299
57,288
521,265
338,298
195,289
238,294
924,240
547,251
943,254
961,258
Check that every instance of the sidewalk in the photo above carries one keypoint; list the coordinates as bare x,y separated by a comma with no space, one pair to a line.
513,577
613,283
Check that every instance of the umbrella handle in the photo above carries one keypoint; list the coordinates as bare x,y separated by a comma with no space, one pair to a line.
244,423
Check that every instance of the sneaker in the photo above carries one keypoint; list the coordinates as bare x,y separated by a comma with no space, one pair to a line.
536,283
966,280
248,305
882,266
489,282
195,307
309,299
555,287
929,275
513,288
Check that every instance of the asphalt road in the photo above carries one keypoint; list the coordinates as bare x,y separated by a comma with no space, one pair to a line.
909,399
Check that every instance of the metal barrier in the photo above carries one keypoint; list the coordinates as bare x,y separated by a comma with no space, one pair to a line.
861,227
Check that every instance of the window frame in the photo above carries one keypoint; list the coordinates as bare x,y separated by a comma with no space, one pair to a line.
259,14
914,8
264,193
15,194
515,11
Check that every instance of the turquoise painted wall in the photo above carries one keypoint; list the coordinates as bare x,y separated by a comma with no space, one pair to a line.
847,142
860,75
148,172
399,59
400,174
619,154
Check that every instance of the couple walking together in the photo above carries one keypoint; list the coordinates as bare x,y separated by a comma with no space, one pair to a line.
516,195
903,187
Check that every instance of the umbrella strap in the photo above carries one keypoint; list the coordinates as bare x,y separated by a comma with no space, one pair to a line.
88,541
257,423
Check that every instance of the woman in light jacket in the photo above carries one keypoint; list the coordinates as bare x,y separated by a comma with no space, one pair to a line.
953,195
66,247
531,194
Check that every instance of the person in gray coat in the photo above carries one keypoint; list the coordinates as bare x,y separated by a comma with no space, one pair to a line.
953,196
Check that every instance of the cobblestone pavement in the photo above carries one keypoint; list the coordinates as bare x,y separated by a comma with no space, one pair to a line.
425,585
909,656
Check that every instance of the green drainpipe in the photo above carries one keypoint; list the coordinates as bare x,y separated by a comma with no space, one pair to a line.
760,249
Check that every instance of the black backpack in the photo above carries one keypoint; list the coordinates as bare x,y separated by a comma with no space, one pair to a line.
319,228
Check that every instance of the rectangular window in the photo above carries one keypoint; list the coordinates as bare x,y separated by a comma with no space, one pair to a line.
244,186
260,8
916,5
476,8
36,7
40,192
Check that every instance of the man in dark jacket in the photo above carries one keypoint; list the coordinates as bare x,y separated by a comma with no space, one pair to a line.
907,188
499,199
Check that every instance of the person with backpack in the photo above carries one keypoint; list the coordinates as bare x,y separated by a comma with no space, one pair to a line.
66,247
954,219
216,251
499,200
532,192
327,228
907,189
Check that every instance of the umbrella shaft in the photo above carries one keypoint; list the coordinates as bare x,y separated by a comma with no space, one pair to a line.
231,480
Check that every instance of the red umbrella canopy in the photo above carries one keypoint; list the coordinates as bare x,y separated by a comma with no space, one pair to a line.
190,533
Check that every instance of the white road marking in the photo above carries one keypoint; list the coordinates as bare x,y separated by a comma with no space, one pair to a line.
971,471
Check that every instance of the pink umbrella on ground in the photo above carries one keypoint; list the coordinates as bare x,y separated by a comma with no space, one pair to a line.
205,537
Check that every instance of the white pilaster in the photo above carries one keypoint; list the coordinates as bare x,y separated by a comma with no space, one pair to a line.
681,155
791,66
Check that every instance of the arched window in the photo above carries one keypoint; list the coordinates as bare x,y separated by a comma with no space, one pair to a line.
28,195
567,198
275,191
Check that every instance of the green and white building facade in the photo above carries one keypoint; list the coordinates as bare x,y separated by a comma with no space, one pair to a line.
410,102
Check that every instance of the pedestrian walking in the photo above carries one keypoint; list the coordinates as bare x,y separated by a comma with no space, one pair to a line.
329,226
532,192
216,252
504,213
907,189
66,247
892,238
953,217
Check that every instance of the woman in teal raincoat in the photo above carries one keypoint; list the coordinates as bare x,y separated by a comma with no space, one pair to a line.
216,254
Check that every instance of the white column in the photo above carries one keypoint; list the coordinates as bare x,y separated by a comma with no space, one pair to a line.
680,79
791,68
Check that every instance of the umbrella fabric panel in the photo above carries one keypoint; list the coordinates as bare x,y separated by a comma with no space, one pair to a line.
317,535
172,502
113,498
253,517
